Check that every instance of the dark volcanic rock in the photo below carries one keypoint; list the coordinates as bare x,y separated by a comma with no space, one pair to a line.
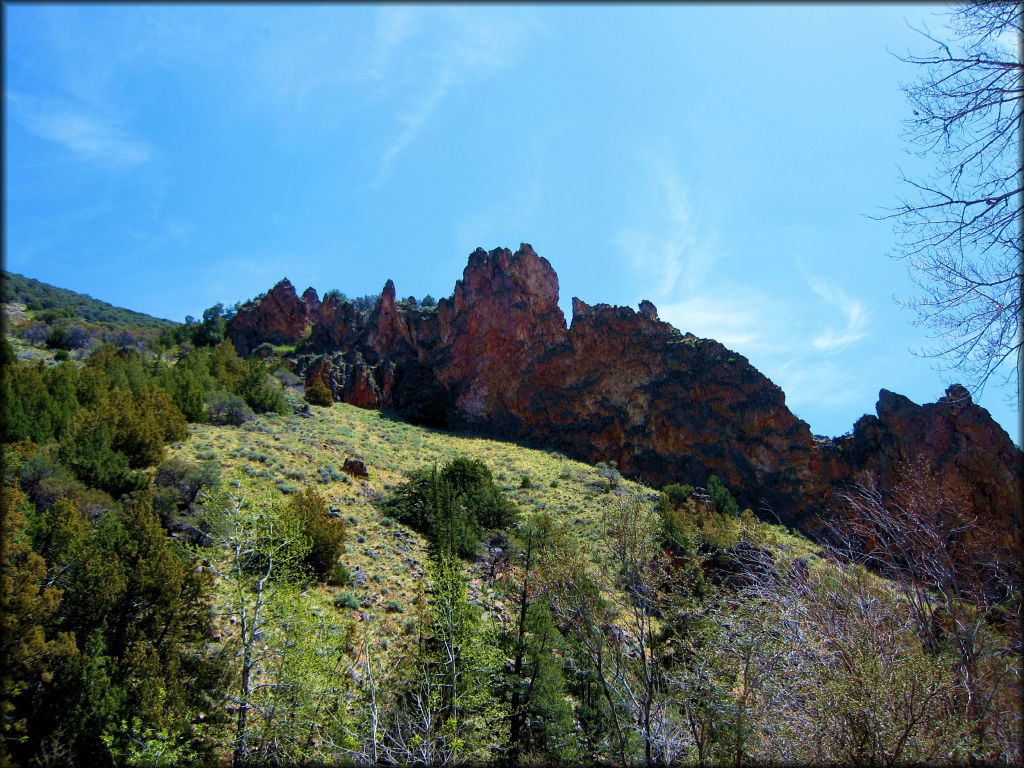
615,385
355,467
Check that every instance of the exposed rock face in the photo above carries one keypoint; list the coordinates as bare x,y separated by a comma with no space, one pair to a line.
280,317
955,437
616,385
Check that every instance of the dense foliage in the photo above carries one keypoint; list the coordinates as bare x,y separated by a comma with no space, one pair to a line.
452,506
43,298
317,393
62,320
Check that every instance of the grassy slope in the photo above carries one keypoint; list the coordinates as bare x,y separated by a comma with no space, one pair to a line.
289,451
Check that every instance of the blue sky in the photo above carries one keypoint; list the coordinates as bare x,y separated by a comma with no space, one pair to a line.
721,161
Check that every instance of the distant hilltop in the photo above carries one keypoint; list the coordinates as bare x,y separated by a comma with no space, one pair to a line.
616,385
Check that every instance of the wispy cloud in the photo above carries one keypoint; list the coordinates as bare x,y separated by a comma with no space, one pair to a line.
740,321
465,44
393,25
670,246
412,122
855,314
88,135
783,329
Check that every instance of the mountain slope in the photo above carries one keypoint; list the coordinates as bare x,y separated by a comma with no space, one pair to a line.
40,297
290,452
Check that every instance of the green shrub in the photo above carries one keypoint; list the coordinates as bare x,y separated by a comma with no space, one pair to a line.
261,392
318,394
526,482
452,506
58,339
186,480
340,576
62,355
346,600
326,534
677,494
286,377
610,473
393,606
226,408
88,450
724,502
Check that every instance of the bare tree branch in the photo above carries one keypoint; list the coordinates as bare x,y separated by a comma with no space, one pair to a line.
960,230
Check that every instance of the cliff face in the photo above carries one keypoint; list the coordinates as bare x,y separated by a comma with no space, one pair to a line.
956,438
280,317
616,385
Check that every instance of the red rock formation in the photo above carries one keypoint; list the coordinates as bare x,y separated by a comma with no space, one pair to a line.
312,302
617,385
280,317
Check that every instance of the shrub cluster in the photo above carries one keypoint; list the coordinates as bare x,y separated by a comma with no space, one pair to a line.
326,534
452,506
691,525
317,393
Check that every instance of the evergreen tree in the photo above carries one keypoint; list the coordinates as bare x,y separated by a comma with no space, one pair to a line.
452,506
260,390
114,636
725,504
540,720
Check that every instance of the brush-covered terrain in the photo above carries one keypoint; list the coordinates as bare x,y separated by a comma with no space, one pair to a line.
208,562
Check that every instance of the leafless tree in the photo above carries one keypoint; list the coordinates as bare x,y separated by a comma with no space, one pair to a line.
959,574
959,228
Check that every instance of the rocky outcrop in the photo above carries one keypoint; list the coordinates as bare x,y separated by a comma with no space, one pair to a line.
615,385
280,317
954,437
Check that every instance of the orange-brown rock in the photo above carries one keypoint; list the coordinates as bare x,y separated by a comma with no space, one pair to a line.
616,385
280,317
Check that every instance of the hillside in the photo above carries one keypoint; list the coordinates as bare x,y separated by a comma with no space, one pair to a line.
34,311
616,384
285,453
210,560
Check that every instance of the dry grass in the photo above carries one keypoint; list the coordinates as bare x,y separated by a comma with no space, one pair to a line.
291,452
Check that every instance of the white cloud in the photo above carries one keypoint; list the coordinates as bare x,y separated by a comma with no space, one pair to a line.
741,323
855,315
799,331
393,25
671,248
412,122
88,135
463,45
